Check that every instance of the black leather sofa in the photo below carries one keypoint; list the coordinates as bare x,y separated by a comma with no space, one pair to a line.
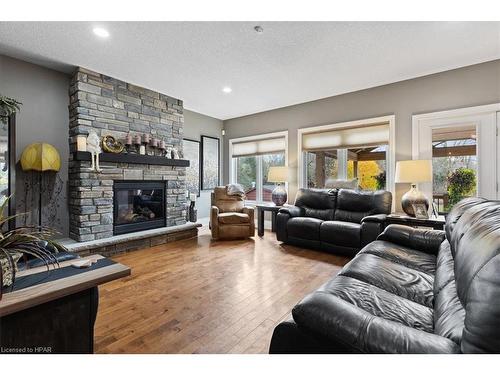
411,291
340,221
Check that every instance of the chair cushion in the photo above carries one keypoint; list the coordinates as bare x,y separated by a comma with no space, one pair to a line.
304,227
225,202
392,277
233,218
341,233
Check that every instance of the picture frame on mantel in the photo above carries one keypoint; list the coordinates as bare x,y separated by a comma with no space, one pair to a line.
210,162
191,150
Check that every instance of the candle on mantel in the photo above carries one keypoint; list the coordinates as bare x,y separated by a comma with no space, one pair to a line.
128,140
81,143
137,139
192,197
146,138
163,146
153,142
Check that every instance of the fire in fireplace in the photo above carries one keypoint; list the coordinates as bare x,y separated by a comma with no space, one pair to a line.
139,205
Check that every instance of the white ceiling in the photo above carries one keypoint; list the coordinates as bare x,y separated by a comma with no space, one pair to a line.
289,63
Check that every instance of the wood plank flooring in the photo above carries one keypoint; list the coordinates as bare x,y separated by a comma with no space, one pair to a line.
203,296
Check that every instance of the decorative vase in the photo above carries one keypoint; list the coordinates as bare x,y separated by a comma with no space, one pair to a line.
279,195
411,197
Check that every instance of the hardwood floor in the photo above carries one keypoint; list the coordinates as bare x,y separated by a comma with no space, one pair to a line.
199,296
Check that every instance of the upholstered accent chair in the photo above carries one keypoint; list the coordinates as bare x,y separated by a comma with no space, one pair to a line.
229,218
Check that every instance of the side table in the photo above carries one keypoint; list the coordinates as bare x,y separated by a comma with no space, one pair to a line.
433,222
261,208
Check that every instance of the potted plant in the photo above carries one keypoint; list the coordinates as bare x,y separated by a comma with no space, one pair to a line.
380,180
461,184
8,107
23,241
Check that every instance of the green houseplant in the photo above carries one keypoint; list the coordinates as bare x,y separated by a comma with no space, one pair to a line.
8,107
23,241
461,183
380,180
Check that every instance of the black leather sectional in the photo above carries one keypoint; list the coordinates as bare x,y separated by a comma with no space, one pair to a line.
410,291
339,221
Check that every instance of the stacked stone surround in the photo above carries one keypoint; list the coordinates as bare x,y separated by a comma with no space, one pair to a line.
113,107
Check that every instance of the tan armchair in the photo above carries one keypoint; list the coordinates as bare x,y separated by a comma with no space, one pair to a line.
229,218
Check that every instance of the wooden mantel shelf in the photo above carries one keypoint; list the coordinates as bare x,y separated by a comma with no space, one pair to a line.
132,159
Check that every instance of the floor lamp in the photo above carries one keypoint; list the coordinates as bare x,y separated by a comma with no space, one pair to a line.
41,158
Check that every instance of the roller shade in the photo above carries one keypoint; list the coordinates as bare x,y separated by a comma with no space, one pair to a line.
259,147
365,136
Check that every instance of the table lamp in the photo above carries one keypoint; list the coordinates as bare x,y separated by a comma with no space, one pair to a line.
413,172
278,175
40,157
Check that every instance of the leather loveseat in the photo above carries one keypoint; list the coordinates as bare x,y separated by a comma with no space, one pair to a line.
411,291
340,221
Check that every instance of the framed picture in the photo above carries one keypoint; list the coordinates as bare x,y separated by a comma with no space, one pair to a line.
210,161
420,211
191,152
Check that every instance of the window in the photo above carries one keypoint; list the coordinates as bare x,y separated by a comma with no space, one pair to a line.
343,152
251,158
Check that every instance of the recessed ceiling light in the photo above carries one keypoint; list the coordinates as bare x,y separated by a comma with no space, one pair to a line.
99,31
259,29
227,90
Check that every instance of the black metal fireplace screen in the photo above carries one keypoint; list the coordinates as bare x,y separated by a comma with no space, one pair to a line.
139,205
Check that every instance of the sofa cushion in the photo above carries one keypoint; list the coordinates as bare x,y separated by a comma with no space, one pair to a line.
354,205
317,203
329,316
340,233
233,218
403,255
392,277
456,213
380,303
449,313
304,227
476,242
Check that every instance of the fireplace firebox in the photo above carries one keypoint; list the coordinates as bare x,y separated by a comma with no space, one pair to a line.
139,205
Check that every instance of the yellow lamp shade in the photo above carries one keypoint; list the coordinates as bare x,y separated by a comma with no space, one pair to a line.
40,157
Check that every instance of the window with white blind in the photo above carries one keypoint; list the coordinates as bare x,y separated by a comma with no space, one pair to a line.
251,158
358,149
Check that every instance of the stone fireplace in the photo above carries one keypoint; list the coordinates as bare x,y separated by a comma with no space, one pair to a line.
113,107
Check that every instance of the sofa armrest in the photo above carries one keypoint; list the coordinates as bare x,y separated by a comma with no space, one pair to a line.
426,240
328,316
292,211
379,218
214,223
371,227
250,211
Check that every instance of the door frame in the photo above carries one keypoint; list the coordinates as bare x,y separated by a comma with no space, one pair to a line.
477,115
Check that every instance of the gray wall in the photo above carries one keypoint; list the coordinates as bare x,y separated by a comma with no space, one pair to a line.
464,87
43,118
196,125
